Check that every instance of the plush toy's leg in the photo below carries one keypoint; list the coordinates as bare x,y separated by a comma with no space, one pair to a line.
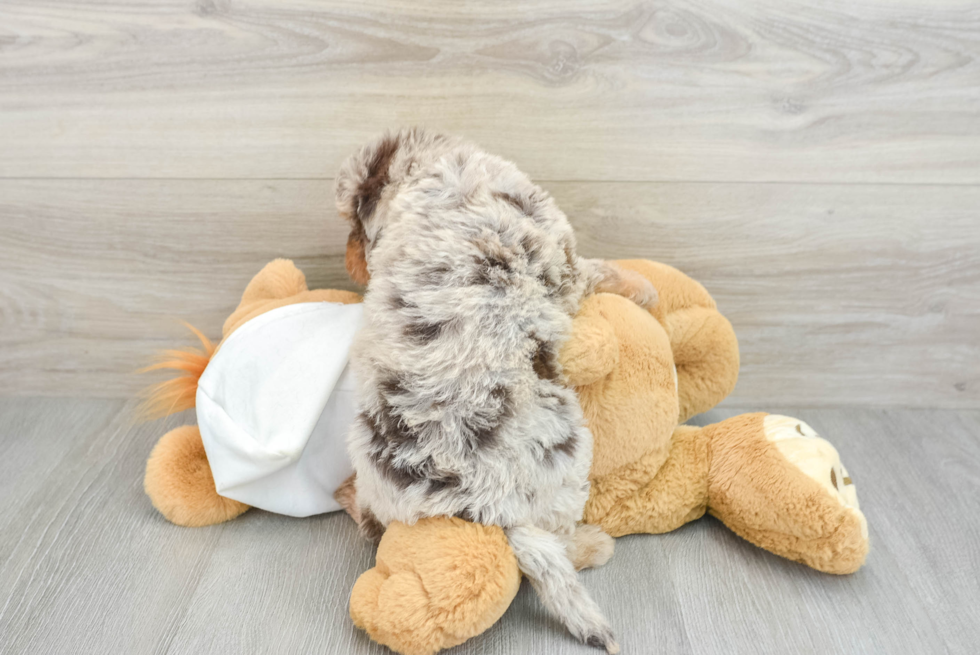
435,584
771,479
179,483
702,340
706,356
777,484
649,497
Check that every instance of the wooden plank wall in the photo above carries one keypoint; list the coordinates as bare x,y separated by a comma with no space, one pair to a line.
815,165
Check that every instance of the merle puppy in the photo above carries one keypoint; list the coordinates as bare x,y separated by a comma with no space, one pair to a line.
473,281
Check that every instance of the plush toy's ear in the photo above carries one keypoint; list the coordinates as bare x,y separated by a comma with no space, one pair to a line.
360,183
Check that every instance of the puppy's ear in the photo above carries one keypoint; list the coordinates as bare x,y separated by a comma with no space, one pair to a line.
361,180
354,260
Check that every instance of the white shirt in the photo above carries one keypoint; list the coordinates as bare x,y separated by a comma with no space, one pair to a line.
274,405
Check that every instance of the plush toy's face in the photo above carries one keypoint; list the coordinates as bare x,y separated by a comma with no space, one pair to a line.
814,456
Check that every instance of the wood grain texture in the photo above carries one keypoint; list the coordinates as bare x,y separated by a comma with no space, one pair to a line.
840,91
88,567
840,294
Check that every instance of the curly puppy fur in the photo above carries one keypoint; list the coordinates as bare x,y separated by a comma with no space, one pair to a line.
473,281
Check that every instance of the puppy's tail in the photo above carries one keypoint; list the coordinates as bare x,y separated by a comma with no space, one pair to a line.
542,557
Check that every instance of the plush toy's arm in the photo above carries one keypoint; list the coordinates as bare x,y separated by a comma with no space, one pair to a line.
703,341
592,352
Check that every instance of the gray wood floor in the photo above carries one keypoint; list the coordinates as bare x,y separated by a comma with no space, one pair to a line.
87,566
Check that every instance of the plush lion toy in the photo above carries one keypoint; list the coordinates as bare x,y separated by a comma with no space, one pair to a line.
639,375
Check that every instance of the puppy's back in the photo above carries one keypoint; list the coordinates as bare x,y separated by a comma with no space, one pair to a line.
472,288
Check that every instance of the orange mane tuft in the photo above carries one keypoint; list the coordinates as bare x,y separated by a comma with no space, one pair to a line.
179,393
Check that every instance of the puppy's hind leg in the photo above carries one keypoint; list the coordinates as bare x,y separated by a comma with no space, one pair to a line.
542,557
346,496
589,547
607,277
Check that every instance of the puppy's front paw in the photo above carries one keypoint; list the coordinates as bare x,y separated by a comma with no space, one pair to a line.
640,290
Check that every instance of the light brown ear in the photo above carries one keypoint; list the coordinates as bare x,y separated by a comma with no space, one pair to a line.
360,182
354,260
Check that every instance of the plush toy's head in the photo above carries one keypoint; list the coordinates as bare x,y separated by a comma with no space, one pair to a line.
815,457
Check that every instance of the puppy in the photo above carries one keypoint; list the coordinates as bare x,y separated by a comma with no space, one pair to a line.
473,281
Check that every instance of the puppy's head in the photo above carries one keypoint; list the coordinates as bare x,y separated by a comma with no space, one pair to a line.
368,181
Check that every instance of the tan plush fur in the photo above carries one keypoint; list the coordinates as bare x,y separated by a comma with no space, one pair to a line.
653,494
179,483
635,405
279,284
704,347
346,497
757,493
442,581
435,585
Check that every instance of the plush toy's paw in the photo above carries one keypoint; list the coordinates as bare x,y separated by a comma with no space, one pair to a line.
435,584
776,483
180,485
590,547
